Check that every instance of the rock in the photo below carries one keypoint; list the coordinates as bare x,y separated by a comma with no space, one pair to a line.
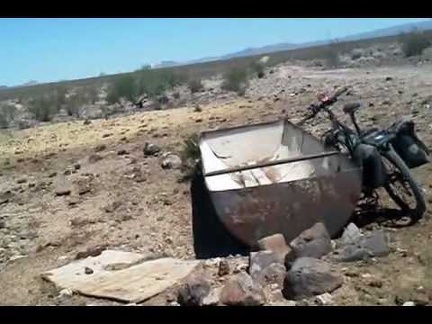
272,274
63,187
67,292
408,303
377,244
2,224
122,152
87,122
241,290
309,277
106,135
351,234
277,244
100,148
212,299
22,180
52,174
224,268
314,242
94,158
388,78
77,166
88,270
260,260
91,251
83,185
151,149
324,299
111,207
373,245
193,292
171,161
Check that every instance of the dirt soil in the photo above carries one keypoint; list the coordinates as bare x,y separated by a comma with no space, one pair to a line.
58,196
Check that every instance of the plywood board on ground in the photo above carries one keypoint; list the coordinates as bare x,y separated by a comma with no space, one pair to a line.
122,276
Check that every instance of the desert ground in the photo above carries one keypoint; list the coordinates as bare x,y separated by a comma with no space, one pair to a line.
71,186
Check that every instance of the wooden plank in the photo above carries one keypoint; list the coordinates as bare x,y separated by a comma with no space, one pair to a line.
136,281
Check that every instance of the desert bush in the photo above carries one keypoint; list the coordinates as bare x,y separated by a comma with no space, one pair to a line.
73,104
257,68
43,107
90,94
122,87
195,85
155,82
357,53
190,156
7,115
235,80
331,55
414,43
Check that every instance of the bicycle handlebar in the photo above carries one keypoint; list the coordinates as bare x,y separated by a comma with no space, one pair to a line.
316,108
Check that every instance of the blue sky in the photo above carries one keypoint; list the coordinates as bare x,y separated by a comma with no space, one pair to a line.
58,49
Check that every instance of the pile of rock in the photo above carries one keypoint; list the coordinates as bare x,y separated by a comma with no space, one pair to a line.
285,274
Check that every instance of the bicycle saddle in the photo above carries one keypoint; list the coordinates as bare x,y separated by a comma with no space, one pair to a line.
351,107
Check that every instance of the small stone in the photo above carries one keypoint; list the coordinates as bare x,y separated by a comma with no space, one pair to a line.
324,299
377,244
193,292
88,270
260,260
100,148
22,180
388,78
351,234
408,303
122,152
224,268
77,166
151,149
241,290
277,244
91,252
212,299
87,122
94,158
67,292
63,188
375,283
174,303
106,135
171,161
52,174
2,224
111,207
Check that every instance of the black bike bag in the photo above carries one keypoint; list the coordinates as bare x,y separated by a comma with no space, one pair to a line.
406,143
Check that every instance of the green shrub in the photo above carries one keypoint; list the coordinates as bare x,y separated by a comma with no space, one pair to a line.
122,87
414,43
43,107
235,80
190,155
257,68
7,115
195,85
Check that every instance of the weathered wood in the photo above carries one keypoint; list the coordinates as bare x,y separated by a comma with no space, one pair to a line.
136,280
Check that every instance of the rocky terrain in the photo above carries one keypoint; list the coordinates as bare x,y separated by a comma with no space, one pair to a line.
74,188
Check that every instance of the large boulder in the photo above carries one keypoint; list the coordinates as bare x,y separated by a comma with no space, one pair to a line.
314,242
308,277
374,244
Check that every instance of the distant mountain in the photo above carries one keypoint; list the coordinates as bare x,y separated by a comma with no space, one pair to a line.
3,87
390,31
